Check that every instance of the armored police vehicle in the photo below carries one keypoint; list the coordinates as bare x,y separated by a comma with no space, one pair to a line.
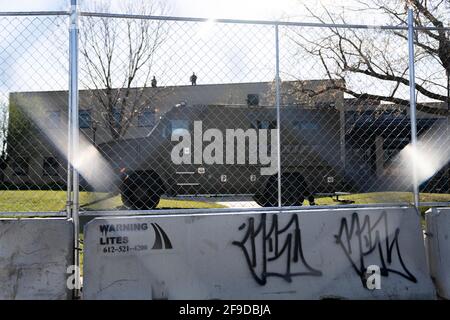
222,150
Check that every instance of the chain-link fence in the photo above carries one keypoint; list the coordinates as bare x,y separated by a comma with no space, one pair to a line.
194,113
33,69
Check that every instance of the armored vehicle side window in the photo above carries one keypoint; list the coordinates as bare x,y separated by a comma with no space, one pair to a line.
173,126
266,124
306,125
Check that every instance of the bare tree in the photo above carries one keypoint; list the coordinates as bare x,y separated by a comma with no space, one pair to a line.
118,59
346,53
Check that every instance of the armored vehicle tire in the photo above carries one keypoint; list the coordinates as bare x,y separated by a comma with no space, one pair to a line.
141,190
293,188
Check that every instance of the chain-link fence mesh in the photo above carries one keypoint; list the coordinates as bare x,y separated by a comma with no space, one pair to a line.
358,154
182,113
432,64
371,150
33,68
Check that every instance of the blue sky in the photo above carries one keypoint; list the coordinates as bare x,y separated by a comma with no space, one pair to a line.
237,9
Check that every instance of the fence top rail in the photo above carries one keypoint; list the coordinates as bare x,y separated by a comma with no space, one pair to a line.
239,21
33,13
224,21
261,22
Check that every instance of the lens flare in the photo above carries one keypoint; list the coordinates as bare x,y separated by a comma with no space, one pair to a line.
88,161
431,154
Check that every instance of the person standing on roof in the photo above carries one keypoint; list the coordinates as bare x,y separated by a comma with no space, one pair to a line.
193,79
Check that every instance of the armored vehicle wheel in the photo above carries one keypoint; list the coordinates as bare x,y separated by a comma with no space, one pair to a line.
293,188
141,190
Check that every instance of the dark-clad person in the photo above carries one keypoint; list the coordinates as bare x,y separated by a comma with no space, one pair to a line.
193,79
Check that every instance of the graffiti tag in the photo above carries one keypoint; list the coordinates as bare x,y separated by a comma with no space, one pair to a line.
371,240
274,250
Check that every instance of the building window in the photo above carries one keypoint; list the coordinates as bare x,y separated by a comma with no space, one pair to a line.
51,166
85,119
53,119
146,118
21,166
252,99
117,117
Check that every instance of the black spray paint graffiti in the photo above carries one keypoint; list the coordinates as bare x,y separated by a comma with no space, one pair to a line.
371,240
264,247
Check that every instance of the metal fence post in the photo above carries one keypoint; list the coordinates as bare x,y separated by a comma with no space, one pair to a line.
69,166
448,118
69,151
73,106
412,101
277,102
69,135
448,123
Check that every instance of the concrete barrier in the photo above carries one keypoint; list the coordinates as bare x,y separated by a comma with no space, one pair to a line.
34,256
438,248
303,254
